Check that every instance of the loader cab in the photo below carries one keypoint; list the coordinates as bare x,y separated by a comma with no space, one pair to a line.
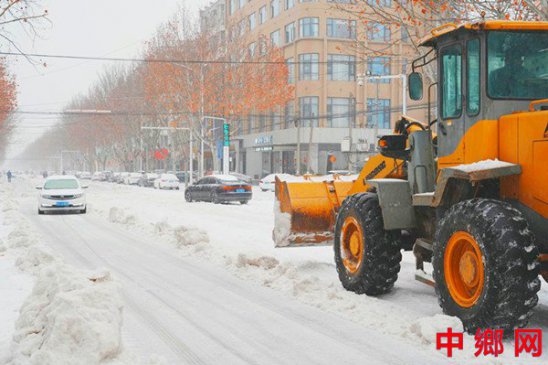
484,70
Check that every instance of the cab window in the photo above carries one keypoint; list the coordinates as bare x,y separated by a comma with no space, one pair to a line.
451,64
473,77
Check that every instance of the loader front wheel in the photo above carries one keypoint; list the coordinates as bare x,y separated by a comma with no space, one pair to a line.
366,255
485,265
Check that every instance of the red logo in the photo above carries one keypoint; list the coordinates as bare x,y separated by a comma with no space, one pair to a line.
489,342
528,341
449,344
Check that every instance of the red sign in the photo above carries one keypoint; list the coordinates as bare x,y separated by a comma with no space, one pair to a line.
161,154
449,344
489,342
528,341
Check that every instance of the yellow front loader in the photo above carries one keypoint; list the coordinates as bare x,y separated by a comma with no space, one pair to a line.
472,200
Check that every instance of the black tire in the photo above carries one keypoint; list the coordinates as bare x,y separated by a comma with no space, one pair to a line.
511,269
243,202
188,196
84,211
40,212
213,197
380,262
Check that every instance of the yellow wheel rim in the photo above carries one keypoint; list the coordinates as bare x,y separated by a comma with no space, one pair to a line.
463,267
352,245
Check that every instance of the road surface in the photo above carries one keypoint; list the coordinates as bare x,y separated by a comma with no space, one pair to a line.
192,313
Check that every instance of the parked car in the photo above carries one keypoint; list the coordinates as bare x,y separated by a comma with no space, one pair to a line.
85,175
98,176
61,193
132,178
267,183
242,177
147,180
219,189
122,177
166,181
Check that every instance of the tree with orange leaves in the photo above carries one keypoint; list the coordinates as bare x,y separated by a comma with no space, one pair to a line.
215,77
8,103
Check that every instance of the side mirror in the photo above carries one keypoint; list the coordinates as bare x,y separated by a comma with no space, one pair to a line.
415,86
38,187
84,186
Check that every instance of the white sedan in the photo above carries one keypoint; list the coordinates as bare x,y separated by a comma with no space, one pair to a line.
268,182
62,194
166,181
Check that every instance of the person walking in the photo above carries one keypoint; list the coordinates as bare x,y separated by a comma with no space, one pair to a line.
9,174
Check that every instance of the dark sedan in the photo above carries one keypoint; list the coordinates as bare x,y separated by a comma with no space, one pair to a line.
219,189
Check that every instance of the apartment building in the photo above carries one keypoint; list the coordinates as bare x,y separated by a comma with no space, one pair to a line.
336,114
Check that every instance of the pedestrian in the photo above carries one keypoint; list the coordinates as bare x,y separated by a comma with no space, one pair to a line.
9,176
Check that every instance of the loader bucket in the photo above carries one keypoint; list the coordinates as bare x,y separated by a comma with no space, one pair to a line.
305,211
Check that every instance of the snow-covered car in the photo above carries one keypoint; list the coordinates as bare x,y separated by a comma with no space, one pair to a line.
132,178
268,183
61,193
166,181
219,189
85,175
147,180
98,176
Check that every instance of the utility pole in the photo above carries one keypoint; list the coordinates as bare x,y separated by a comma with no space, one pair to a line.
226,141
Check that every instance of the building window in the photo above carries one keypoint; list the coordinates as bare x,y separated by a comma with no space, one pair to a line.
378,32
290,32
308,1
308,107
341,28
275,120
289,114
275,8
308,66
380,3
379,66
262,15
378,113
275,40
309,27
342,1
252,21
290,70
250,121
262,123
341,67
289,4
232,6
340,112
241,3
252,47
404,34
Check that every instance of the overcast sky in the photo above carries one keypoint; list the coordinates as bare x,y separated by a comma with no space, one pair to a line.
115,28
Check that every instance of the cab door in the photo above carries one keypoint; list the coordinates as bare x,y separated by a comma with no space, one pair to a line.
451,125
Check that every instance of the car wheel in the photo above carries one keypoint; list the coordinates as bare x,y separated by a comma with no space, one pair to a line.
40,212
188,196
214,198
177,188
243,202
84,211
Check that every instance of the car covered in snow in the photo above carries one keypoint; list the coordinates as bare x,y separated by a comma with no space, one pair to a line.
147,179
85,175
219,189
61,193
166,181
268,183
132,178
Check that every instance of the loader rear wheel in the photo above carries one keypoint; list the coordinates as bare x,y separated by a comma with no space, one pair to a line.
366,255
485,265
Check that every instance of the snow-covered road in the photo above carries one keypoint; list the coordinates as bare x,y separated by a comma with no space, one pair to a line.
191,312
206,296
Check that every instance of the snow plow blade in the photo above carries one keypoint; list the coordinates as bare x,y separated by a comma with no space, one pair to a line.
305,211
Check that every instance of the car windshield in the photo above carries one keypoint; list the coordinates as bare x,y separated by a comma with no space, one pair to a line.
61,184
517,65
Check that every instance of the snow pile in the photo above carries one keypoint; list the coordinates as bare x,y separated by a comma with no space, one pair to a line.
483,165
69,318
282,226
117,215
264,262
426,328
190,236
35,259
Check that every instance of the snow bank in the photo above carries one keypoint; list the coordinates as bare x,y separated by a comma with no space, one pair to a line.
190,236
117,215
282,226
70,318
425,329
